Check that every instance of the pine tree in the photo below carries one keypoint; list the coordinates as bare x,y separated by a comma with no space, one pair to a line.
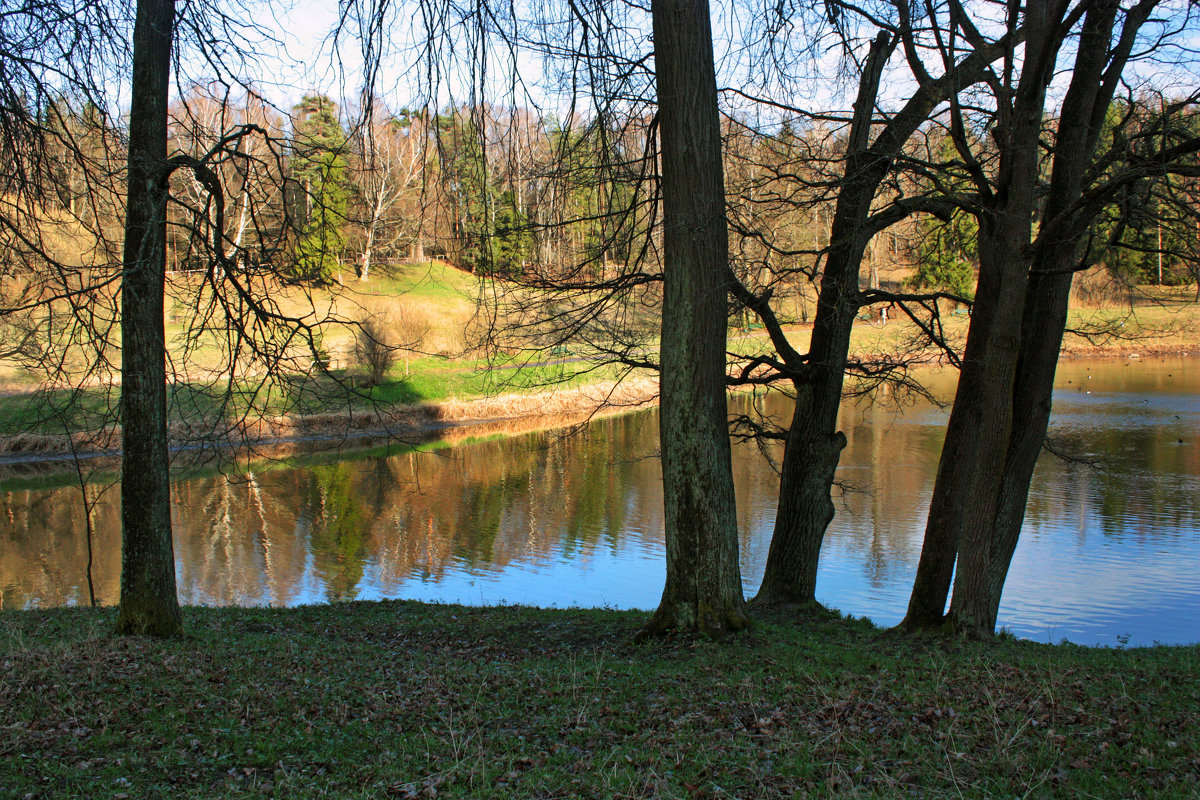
320,145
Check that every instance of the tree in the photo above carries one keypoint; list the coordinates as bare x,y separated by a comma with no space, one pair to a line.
63,57
1002,406
973,453
703,590
874,145
388,176
320,168
148,599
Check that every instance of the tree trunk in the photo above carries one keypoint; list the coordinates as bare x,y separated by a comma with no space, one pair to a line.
703,589
976,600
149,604
364,272
814,444
810,459
965,491
967,488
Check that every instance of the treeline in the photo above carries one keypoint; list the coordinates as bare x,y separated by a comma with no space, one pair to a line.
324,193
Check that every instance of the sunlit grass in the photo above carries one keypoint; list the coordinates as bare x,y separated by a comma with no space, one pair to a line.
442,366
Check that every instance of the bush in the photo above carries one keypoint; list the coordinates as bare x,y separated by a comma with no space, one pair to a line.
382,336
1100,287
374,349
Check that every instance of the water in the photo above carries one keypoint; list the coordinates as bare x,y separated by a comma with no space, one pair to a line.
1110,552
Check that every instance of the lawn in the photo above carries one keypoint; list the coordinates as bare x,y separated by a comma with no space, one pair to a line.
403,699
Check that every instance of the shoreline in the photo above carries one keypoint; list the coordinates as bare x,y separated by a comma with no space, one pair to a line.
451,420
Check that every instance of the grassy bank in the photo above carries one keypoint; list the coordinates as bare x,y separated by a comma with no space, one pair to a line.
403,699
437,300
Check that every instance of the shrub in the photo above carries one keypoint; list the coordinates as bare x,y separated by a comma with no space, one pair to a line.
382,336
374,349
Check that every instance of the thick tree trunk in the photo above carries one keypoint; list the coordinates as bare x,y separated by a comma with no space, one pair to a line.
703,589
967,489
976,600
148,597
814,444
805,510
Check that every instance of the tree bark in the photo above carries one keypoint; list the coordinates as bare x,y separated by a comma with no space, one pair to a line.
978,586
703,589
967,488
814,444
149,604
976,599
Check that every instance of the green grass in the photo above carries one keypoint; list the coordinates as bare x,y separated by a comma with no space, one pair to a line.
1166,319
429,380
52,411
434,280
402,699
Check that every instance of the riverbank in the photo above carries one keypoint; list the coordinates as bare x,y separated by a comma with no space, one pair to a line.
444,398
279,435
403,699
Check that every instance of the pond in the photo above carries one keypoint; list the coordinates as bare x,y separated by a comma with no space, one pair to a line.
1110,552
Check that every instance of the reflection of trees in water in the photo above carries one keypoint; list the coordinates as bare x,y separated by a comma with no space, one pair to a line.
235,538
893,462
1125,494
528,499
337,529
43,548
1139,426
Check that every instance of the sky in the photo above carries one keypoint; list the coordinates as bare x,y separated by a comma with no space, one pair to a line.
294,54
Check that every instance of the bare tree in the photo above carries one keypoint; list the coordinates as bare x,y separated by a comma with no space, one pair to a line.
149,604
871,159
389,172
1002,407
69,293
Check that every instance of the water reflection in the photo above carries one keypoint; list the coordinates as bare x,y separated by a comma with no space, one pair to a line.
1111,545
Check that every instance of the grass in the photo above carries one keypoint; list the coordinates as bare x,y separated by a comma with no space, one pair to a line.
439,299
429,380
403,699
1161,319
442,298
